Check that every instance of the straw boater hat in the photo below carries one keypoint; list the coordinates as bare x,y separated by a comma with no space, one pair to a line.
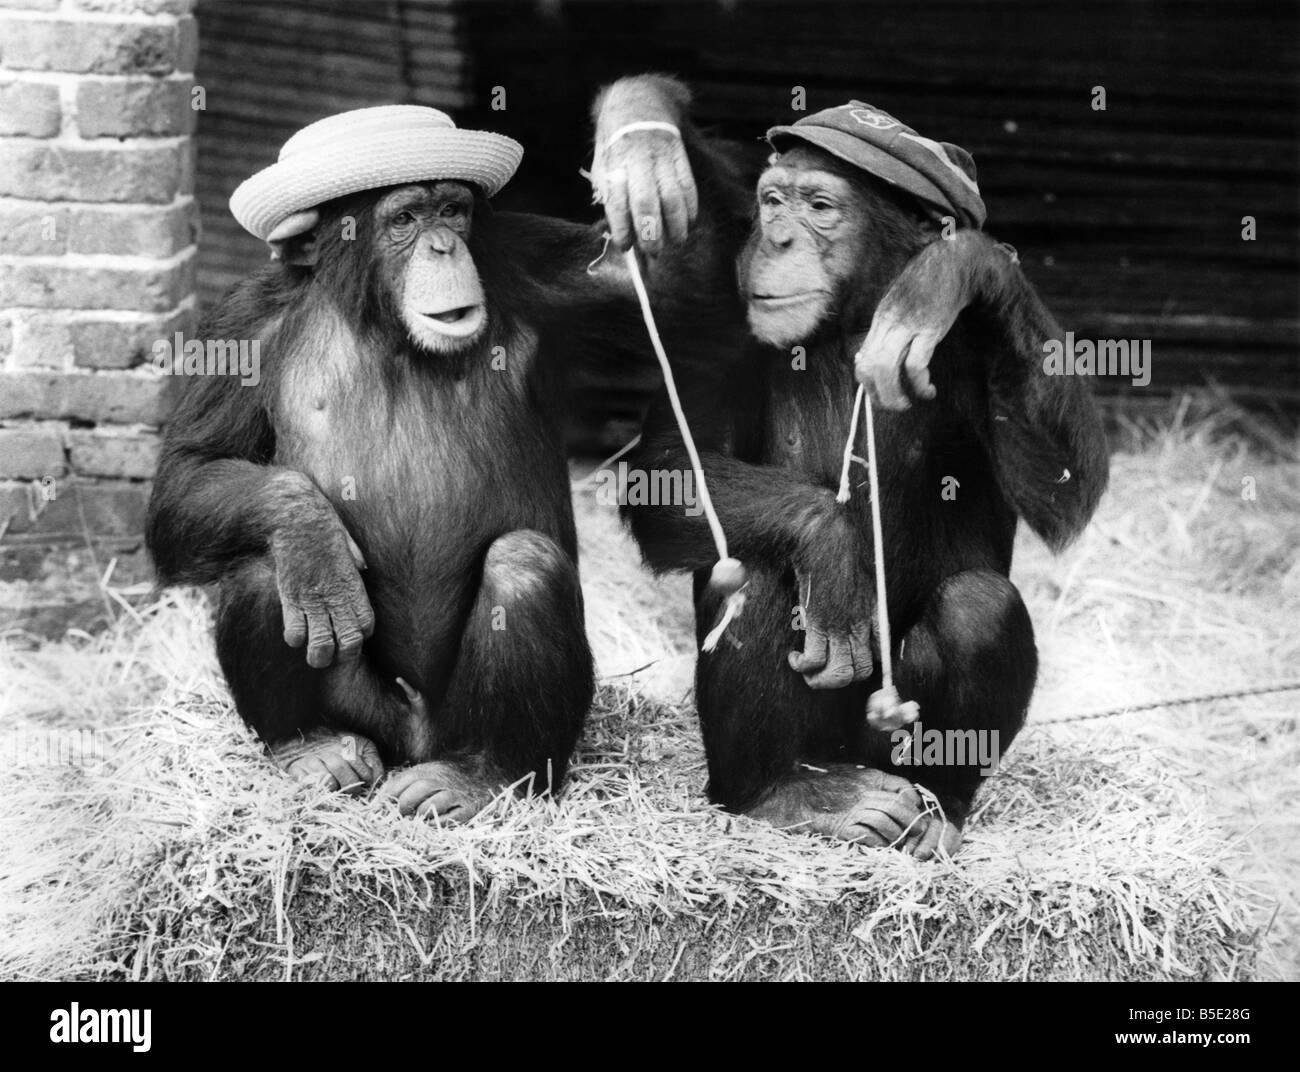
367,149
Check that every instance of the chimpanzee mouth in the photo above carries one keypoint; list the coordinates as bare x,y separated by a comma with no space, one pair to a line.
777,301
461,320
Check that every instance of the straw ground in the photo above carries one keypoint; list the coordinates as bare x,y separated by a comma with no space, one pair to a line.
1161,844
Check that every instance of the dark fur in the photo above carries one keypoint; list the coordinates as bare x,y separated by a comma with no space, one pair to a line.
772,440
462,495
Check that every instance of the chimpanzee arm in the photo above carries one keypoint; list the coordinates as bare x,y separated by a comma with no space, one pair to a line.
772,517
1043,432
217,499
689,200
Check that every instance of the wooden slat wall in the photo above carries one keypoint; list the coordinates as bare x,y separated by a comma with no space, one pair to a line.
1128,220
271,68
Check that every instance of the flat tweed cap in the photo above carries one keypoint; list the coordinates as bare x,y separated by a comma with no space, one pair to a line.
938,173
367,149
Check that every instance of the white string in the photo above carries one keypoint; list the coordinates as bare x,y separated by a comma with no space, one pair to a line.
863,401
736,599
715,526
644,124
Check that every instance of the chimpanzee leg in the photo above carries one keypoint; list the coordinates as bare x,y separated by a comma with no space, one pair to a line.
970,662
328,725
781,751
756,714
521,687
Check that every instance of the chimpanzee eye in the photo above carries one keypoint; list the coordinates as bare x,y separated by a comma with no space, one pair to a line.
450,210
821,205
770,199
405,218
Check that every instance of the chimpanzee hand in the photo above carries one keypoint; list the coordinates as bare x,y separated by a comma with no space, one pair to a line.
913,317
837,598
648,190
322,596
641,172
833,658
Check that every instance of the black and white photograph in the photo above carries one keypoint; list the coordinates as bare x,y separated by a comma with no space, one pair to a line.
691,490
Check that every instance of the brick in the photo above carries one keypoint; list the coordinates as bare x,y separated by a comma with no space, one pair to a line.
187,49
122,344
95,453
88,47
41,340
30,108
119,399
136,7
60,283
28,394
31,453
33,5
110,397
46,171
33,229
134,108
106,508
6,338
131,230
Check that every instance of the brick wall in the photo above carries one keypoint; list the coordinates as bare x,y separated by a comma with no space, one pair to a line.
98,226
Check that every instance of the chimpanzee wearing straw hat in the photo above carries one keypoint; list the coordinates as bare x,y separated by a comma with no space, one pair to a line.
386,512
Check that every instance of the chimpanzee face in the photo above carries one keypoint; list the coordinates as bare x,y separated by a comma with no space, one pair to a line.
810,236
421,235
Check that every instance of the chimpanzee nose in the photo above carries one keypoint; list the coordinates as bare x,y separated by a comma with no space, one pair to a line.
779,235
442,240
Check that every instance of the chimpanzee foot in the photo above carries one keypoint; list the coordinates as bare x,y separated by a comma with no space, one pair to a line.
901,820
333,759
865,806
442,789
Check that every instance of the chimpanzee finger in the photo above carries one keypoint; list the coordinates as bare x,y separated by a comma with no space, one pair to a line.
924,838
320,638
860,650
617,214
416,794
879,363
838,670
295,624
358,559
363,755
643,198
875,819
813,656
888,379
686,180
917,365
676,215
313,769
348,635
364,612
345,775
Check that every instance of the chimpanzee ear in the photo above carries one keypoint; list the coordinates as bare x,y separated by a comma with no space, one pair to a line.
293,240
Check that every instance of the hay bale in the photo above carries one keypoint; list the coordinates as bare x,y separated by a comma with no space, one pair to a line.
1094,853
182,856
